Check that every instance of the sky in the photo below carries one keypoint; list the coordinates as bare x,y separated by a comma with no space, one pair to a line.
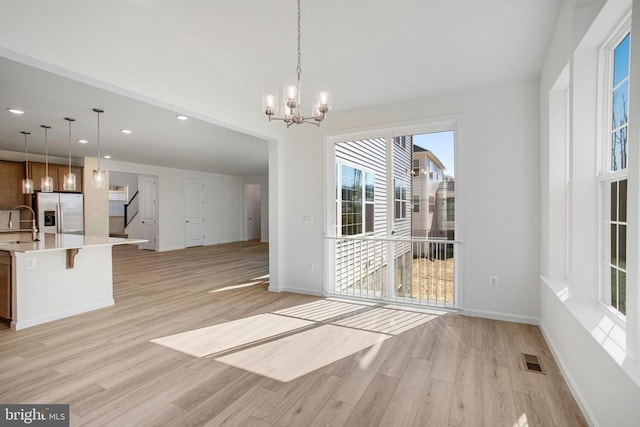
440,144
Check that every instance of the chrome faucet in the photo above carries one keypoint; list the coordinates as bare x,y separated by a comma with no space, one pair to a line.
34,230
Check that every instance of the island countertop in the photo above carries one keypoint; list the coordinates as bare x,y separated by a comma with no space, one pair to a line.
21,242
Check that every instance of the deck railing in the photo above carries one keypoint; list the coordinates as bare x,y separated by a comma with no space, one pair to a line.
413,271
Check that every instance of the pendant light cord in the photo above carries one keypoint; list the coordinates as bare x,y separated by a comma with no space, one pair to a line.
299,68
69,146
46,150
69,120
26,154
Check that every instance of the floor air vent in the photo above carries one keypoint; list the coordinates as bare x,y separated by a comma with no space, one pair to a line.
532,364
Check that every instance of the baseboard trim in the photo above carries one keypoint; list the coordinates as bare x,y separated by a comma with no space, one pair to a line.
575,391
507,317
23,324
294,290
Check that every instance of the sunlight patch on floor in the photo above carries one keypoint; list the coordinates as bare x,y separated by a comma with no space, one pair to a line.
386,321
230,335
293,356
319,311
242,285
288,343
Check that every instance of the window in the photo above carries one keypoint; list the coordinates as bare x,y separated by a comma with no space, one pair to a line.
451,208
357,200
369,202
400,141
614,178
416,203
400,199
432,204
620,105
117,199
416,167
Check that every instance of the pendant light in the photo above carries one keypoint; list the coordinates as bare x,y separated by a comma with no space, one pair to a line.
69,183
46,184
292,110
27,183
98,174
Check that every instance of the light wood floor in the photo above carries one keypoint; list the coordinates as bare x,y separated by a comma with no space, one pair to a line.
448,371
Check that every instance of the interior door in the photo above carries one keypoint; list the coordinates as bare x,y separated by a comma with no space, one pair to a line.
148,211
253,211
193,212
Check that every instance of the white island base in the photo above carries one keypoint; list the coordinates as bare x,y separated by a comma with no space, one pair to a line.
60,276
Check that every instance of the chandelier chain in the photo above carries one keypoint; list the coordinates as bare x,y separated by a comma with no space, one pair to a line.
299,68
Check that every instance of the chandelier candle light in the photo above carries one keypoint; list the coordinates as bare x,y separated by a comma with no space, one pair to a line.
27,183
69,178
46,184
98,174
321,103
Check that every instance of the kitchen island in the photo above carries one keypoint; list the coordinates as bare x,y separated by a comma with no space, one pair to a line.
58,276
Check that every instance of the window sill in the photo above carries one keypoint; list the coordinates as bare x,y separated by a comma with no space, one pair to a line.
604,326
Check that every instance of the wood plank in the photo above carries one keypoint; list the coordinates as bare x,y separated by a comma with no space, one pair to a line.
435,404
467,407
404,404
373,404
333,413
499,406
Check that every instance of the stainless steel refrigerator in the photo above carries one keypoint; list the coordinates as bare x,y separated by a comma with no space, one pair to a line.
60,212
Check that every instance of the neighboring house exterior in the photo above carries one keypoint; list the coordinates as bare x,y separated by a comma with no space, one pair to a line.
433,196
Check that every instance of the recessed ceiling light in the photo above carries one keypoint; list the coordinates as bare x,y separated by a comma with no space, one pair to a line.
107,156
15,111
127,131
83,141
181,117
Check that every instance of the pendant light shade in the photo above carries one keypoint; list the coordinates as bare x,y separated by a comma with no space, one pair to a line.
69,183
98,174
27,183
46,184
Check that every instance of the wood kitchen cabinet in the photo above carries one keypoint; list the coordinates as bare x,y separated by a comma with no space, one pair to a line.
38,171
5,285
11,174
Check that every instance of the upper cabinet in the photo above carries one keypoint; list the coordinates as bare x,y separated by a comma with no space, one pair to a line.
37,171
11,174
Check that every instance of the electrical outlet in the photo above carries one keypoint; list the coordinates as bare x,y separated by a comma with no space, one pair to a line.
312,266
493,281
31,263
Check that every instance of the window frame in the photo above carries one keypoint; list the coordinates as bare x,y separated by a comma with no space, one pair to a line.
607,176
402,203
364,200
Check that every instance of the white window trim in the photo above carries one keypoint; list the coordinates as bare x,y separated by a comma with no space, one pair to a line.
338,202
604,176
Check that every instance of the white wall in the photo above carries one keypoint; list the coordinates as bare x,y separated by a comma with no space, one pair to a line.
224,203
496,181
96,201
605,380
123,179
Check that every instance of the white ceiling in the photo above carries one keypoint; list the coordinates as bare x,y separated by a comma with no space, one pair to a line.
213,59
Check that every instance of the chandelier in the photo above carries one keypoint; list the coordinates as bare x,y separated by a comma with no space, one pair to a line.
291,98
